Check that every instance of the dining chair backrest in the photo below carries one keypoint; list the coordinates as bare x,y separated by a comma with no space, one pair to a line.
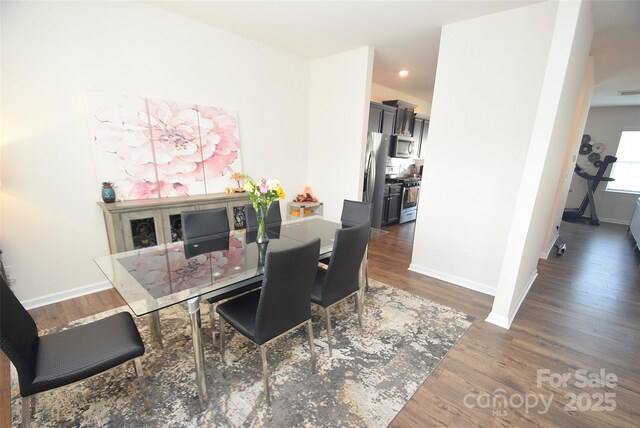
273,215
342,277
204,231
18,335
204,223
354,212
286,290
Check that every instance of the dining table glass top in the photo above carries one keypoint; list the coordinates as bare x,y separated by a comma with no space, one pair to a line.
157,277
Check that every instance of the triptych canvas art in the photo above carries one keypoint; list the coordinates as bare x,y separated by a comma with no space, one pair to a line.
151,148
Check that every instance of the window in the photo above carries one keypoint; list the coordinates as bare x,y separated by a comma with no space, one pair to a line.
626,170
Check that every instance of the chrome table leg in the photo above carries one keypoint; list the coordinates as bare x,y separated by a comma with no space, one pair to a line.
198,350
154,328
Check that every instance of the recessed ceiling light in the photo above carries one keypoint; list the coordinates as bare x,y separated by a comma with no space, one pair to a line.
630,92
403,73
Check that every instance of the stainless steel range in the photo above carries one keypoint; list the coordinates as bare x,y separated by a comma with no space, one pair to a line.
410,198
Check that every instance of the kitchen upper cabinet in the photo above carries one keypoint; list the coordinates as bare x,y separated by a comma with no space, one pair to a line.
381,118
404,117
420,131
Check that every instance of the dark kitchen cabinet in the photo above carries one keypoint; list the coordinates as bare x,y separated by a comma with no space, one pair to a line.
420,131
404,116
391,204
381,118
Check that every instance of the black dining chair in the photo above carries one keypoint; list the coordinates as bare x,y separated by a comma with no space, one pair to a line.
354,213
207,231
341,279
281,305
273,215
204,224
58,359
273,223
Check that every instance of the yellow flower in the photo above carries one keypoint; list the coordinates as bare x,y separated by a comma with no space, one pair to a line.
247,186
281,193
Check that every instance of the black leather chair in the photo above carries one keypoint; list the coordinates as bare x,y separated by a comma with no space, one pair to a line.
280,306
273,223
353,213
202,225
206,231
273,215
342,278
58,359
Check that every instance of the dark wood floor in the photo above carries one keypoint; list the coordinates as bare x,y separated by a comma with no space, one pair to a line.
582,313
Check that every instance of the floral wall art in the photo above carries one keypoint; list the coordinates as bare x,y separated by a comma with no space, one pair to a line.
150,148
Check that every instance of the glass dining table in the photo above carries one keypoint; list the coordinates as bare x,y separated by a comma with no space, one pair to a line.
150,279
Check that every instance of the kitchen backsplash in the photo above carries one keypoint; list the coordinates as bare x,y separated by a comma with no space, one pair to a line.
401,167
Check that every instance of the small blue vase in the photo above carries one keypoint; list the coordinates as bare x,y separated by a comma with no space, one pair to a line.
108,194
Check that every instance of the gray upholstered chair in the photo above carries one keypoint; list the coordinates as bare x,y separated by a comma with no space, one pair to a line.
342,278
281,305
58,359
354,213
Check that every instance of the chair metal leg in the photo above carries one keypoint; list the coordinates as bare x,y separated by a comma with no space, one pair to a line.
221,327
26,412
265,373
366,268
212,322
137,365
311,345
327,314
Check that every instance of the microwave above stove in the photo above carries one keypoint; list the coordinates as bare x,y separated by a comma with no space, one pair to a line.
402,147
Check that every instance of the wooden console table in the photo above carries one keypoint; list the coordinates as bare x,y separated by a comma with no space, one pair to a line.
147,222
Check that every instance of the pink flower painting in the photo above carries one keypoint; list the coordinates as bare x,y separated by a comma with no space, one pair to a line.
152,148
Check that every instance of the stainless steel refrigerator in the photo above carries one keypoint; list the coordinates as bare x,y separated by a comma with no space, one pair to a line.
374,174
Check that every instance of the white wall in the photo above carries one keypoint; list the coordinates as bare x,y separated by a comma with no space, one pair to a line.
52,52
479,137
340,87
381,93
604,125
553,132
569,160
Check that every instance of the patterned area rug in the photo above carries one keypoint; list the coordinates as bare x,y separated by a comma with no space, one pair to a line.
370,377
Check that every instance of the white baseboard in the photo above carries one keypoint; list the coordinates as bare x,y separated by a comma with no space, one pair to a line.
455,280
66,295
545,254
505,322
499,320
614,221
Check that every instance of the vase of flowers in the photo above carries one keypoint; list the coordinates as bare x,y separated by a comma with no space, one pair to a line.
108,193
262,195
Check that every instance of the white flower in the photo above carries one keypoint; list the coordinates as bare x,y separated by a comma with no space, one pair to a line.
273,184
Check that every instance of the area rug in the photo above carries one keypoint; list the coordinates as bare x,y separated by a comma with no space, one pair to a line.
372,374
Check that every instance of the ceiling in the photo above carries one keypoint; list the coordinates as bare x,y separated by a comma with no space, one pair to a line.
406,35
